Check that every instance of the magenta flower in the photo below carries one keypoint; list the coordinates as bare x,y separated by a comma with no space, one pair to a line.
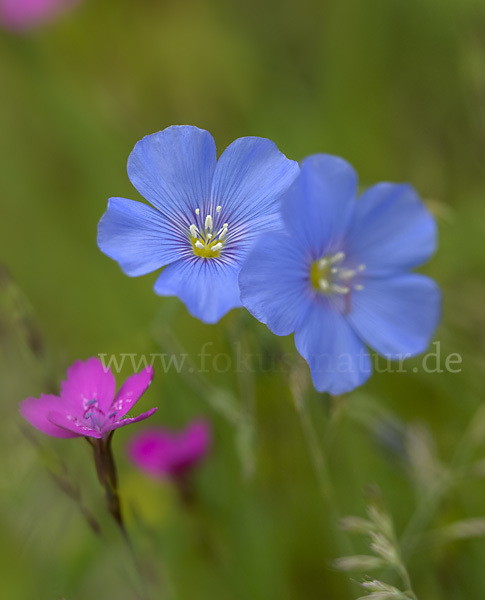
163,454
87,405
23,14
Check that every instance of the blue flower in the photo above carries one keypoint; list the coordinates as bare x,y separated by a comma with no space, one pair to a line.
205,214
338,275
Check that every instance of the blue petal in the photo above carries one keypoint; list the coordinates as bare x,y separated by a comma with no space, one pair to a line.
318,206
274,283
138,237
173,170
338,360
391,229
397,316
208,287
250,177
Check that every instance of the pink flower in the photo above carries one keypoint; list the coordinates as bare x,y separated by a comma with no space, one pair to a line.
164,454
22,14
87,405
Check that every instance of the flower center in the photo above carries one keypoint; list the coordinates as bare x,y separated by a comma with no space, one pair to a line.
206,243
329,276
93,413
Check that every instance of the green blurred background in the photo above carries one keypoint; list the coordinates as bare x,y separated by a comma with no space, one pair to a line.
398,89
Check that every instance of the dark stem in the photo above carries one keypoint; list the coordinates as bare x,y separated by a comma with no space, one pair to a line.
185,489
106,470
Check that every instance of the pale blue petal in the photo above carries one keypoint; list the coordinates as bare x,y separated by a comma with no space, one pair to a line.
250,177
338,360
139,238
397,316
274,283
391,229
208,287
319,205
173,170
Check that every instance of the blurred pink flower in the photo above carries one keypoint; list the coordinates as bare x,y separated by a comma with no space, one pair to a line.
87,405
163,453
24,14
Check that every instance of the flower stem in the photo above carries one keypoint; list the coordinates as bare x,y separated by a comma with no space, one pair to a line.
318,455
106,471
318,458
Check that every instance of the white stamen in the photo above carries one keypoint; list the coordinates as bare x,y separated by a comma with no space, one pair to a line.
346,273
339,289
335,277
336,258
205,238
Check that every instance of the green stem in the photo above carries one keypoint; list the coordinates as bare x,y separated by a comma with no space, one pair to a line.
316,453
431,501
422,516
318,456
